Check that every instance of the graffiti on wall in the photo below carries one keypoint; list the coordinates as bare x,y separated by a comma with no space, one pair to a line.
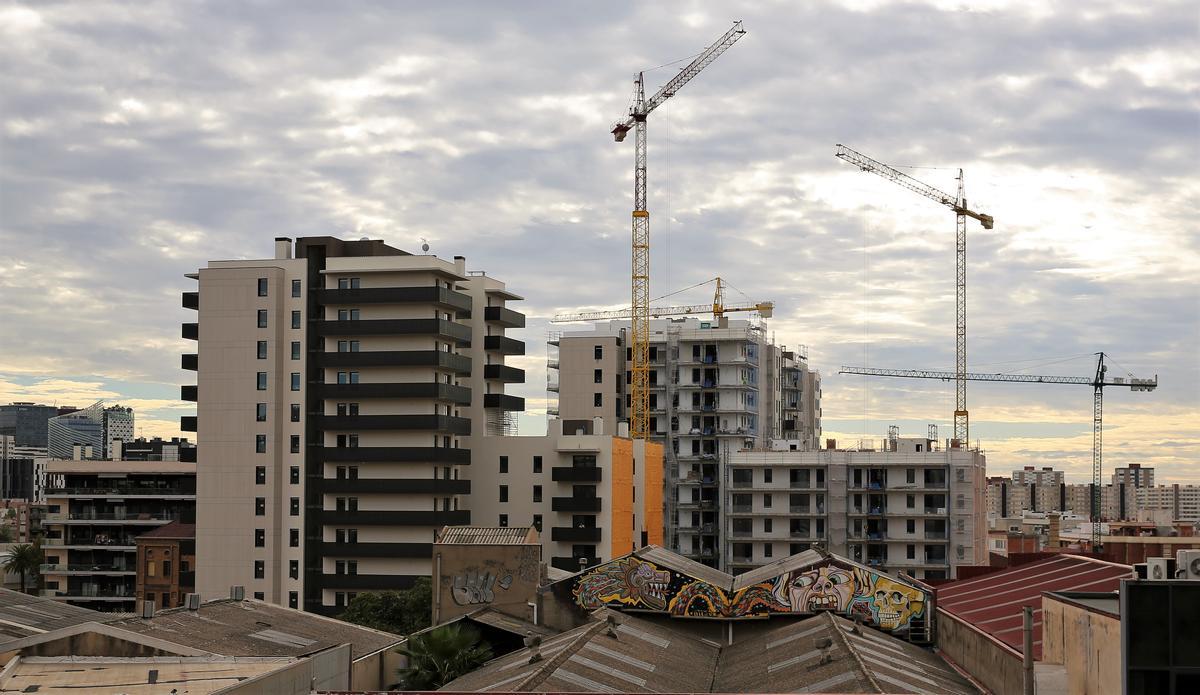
475,587
854,592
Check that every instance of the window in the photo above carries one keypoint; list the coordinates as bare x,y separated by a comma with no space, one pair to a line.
599,351
293,599
537,464
151,568
260,506
352,567
767,549
262,349
294,444
347,377
349,283
262,318
910,526
295,349
598,399
260,569
503,464
910,475
262,287
537,493
294,537
504,520
259,596
349,346
766,501
339,599
294,475
295,412
296,319
295,288
294,569
260,538
768,525
294,506
598,376
260,475
503,493
295,381
537,522
348,314
262,381
766,475
910,551
260,412
260,443
910,501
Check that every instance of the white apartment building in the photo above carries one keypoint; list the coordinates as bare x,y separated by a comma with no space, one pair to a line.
905,507
335,387
715,387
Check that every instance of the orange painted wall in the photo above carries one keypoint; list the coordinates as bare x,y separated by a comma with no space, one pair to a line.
652,489
621,494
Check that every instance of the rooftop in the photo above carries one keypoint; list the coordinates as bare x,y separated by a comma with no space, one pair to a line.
487,535
992,602
22,615
131,676
173,530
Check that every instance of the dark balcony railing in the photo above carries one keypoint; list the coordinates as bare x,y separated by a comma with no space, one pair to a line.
187,423
575,535
390,518
121,491
504,317
163,515
191,300
575,504
440,296
573,564
503,372
503,401
422,550
187,455
98,567
398,486
433,423
573,474
191,331
503,345
396,358
391,454
189,360
436,327
425,390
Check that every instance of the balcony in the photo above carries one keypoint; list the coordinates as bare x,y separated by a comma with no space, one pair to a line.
504,373
396,358
390,518
129,517
191,331
573,474
122,491
573,564
503,345
575,504
375,582
423,390
503,401
503,317
432,423
188,392
447,330
397,486
742,509
187,423
421,550
191,300
575,535
190,361
115,570
391,454
187,455
439,296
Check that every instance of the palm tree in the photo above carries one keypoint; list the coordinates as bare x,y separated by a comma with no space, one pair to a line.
440,655
24,559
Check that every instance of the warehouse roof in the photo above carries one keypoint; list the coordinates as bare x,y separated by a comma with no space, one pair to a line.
625,653
22,615
487,535
129,676
992,602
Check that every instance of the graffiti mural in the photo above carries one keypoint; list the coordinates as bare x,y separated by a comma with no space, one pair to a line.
476,587
854,592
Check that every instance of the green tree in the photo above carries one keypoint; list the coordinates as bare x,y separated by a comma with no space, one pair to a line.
401,612
6,534
439,656
23,559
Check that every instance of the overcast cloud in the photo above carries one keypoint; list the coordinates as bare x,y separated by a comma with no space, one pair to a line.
141,140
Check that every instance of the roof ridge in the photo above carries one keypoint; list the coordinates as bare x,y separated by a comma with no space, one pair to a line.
837,629
540,675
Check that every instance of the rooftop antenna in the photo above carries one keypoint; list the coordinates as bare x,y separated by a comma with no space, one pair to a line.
424,245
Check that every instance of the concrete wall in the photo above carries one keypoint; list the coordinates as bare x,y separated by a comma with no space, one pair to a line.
470,577
327,670
1087,643
989,661
377,671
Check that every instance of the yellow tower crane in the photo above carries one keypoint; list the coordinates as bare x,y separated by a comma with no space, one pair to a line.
718,308
640,311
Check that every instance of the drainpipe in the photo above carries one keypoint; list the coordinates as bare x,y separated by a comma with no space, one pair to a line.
437,589
1027,656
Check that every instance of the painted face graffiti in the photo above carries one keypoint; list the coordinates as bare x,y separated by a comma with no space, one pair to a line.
827,588
628,581
896,604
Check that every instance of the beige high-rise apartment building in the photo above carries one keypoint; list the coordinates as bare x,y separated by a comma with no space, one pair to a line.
715,386
336,383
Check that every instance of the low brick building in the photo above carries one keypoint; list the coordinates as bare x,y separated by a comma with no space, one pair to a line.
166,565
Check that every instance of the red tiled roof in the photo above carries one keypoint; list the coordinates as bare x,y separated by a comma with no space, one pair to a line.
173,530
992,602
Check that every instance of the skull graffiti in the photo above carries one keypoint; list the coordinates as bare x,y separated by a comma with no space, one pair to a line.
895,604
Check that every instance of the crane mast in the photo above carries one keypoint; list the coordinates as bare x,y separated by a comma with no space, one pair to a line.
640,323
957,203
1098,382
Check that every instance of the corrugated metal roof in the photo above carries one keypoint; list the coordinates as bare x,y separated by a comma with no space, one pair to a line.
808,558
665,558
176,530
486,535
22,615
993,602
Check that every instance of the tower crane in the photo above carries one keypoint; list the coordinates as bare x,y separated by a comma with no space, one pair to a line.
718,308
636,121
1097,382
957,203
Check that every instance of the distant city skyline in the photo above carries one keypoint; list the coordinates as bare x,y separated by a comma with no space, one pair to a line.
485,131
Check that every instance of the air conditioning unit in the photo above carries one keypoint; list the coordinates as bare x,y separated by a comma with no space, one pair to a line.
1158,568
1188,564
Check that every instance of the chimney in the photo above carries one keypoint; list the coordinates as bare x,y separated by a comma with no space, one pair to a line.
830,444
623,430
114,449
1055,523
77,452
460,265
597,425
283,248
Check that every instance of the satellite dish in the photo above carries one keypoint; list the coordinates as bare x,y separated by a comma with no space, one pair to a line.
366,238
424,245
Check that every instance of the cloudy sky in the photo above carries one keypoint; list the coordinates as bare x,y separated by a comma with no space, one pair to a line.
141,140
